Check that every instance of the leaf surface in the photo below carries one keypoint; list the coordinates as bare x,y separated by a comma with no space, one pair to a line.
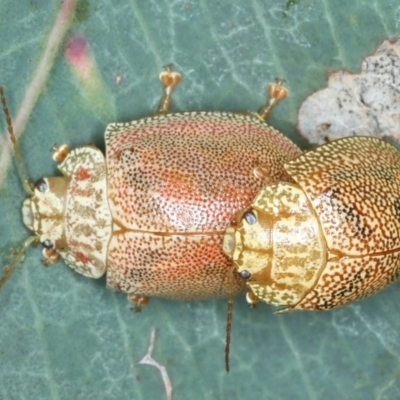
66,337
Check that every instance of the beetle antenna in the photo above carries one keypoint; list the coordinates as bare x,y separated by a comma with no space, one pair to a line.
229,319
26,182
8,270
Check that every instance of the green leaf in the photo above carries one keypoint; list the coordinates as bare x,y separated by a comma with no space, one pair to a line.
66,337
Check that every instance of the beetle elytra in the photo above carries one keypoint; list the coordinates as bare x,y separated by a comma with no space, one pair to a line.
152,213
329,237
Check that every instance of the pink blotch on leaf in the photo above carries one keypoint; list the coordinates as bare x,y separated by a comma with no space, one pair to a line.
77,55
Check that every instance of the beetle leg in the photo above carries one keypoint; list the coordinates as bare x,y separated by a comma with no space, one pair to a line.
169,79
51,257
276,93
59,153
262,172
251,298
139,301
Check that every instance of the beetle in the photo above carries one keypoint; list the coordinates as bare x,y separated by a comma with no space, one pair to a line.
330,236
152,213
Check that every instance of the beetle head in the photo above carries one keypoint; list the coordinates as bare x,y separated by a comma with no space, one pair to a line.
69,214
249,243
278,245
43,212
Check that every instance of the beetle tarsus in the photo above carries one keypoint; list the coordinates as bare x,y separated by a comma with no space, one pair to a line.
276,93
262,172
169,80
251,299
51,257
139,301
60,153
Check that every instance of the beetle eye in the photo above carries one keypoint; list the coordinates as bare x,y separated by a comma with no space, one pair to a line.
245,274
250,217
41,185
48,244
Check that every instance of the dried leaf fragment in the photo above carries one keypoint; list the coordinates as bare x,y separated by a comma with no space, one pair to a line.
365,104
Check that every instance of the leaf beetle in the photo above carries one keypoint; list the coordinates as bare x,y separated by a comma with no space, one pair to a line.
152,212
329,236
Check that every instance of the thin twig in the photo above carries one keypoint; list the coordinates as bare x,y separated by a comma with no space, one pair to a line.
148,360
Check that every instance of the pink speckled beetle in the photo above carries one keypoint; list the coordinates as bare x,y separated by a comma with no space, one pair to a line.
153,212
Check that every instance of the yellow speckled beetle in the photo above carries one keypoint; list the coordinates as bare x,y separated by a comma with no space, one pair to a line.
330,236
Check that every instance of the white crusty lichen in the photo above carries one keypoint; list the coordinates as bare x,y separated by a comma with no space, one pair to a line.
364,104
